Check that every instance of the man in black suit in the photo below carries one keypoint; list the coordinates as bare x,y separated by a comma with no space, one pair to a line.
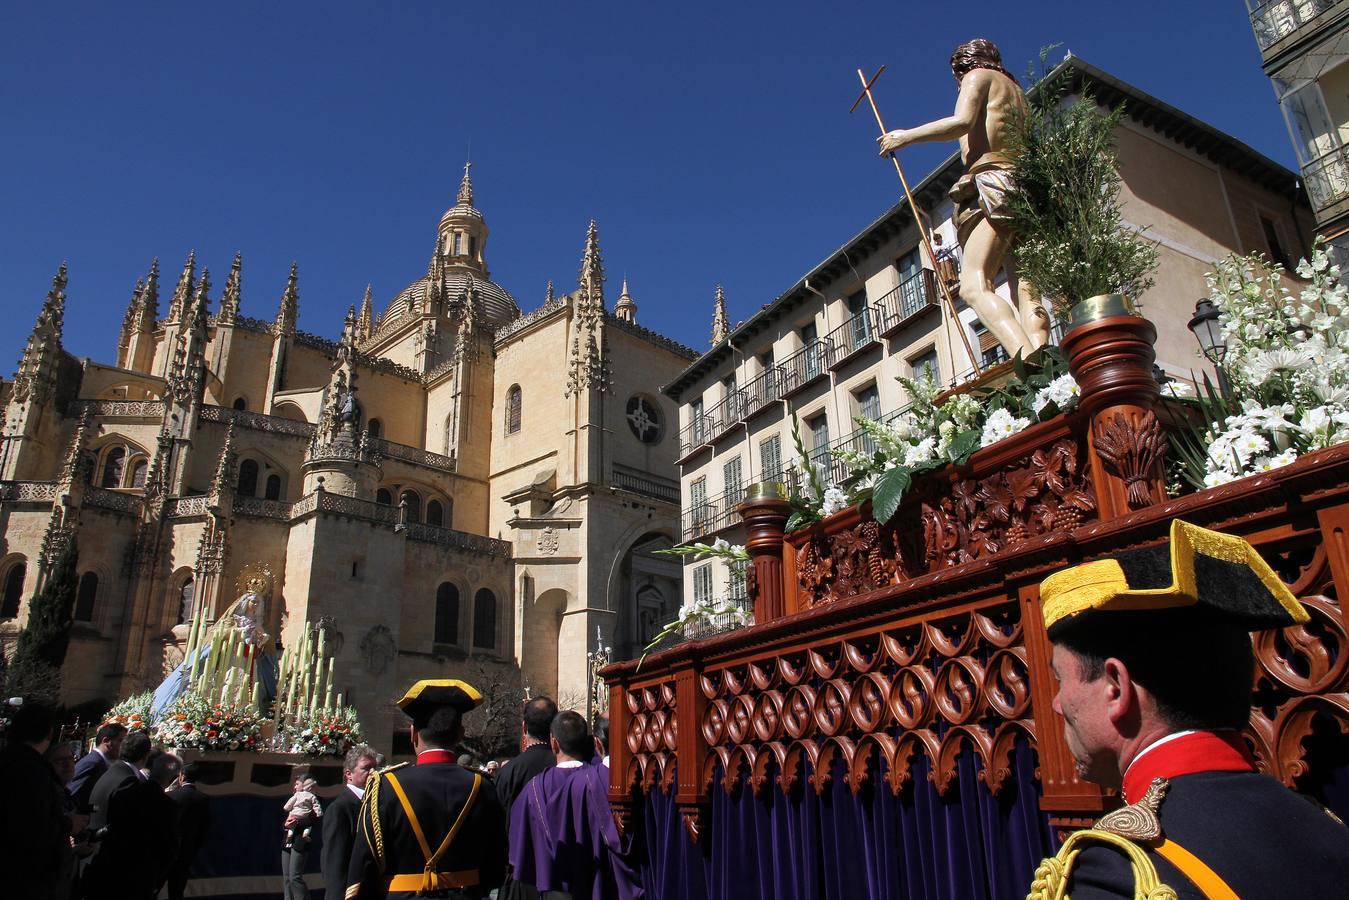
431,828
135,751
536,723
194,822
1152,651
141,842
90,768
35,854
339,819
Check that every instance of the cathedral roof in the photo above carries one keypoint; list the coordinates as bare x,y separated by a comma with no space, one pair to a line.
496,306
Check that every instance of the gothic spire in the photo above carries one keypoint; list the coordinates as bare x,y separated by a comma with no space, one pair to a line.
590,302
149,307
721,326
465,197
626,307
223,480
289,310
365,324
37,366
182,292
129,320
229,300
548,295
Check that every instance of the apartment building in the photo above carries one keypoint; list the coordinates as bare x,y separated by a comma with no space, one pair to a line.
1304,49
829,349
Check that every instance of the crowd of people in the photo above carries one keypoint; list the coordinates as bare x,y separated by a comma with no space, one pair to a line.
124,821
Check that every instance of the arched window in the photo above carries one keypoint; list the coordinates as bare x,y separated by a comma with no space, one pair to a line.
383,496
248,478
273,487
485,619
447,614
84,598
374,428
513,409
114,464
414,505
435,513
185,602
448,521
9,606
138,470
240,403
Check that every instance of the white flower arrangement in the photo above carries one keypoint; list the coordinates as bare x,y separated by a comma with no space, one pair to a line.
1287,362
1001,424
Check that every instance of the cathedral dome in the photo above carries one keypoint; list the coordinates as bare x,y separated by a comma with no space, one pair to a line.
495,305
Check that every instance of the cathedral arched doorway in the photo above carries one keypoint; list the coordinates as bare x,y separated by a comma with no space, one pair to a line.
648,594
539,631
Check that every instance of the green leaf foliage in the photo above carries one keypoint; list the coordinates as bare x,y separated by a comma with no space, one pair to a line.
888,491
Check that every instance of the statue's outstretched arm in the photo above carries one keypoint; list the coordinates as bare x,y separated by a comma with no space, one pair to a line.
969,105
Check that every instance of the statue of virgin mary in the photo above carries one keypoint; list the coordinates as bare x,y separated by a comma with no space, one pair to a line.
255,664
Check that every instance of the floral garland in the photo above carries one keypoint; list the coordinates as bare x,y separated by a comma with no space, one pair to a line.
133,712
1287,363
324,733
192,721
705,613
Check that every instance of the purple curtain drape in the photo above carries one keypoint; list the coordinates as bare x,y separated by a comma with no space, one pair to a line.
837,846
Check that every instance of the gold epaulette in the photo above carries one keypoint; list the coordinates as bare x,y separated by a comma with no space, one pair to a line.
1052,875
370,801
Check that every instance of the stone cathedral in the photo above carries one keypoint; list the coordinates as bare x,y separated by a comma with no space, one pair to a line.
449,481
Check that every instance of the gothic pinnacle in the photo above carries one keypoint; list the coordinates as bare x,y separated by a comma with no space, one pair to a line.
150,296
289,310
591,301
626,307
548,295
366,323
229,299
182,292
721,326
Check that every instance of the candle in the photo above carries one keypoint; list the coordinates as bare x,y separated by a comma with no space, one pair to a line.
328,698
257,695
339,700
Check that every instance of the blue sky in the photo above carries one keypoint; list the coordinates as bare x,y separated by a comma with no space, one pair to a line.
711,142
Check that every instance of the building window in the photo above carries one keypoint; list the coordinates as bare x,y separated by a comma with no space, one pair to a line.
702,584
472,245
766,360
731,479
9,606
240,404
413,504
698,499
867,402
819,436
447,614
185,601
770,458
247,484
485,620
85,596
458,243
383,496
643,419
273,491
861,321
374,428
435,513
810,342
699,422
114,464
1276,251
138,472
924,365
513,405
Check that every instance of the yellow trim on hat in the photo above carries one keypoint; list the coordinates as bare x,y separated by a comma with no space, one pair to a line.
416,690
1101,585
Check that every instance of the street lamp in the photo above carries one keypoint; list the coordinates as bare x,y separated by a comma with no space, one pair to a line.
1208,331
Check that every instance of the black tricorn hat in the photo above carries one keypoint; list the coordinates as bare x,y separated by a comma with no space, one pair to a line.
429,695
1219,574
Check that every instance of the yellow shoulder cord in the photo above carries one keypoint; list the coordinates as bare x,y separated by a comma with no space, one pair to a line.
1051,876
430,880
376,840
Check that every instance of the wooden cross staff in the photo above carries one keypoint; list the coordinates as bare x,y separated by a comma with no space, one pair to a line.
918,216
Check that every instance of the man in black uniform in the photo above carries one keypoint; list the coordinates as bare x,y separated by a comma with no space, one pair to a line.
536,724
1152,650
430,829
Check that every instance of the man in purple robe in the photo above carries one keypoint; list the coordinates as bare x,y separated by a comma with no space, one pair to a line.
563,839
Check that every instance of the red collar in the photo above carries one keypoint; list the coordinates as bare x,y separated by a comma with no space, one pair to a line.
1200,751
435,756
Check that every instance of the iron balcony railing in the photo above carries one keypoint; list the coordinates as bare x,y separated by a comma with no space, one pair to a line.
1327,178
1275,20
853,336
712,515
701,430
910,298
805,365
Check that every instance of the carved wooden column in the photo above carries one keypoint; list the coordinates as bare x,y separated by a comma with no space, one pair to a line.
620,756
1111,357
690,704
765,511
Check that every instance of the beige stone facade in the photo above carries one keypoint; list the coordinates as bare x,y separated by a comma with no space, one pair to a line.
831,347
447,482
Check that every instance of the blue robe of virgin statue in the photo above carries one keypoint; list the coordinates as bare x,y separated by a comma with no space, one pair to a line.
261,663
